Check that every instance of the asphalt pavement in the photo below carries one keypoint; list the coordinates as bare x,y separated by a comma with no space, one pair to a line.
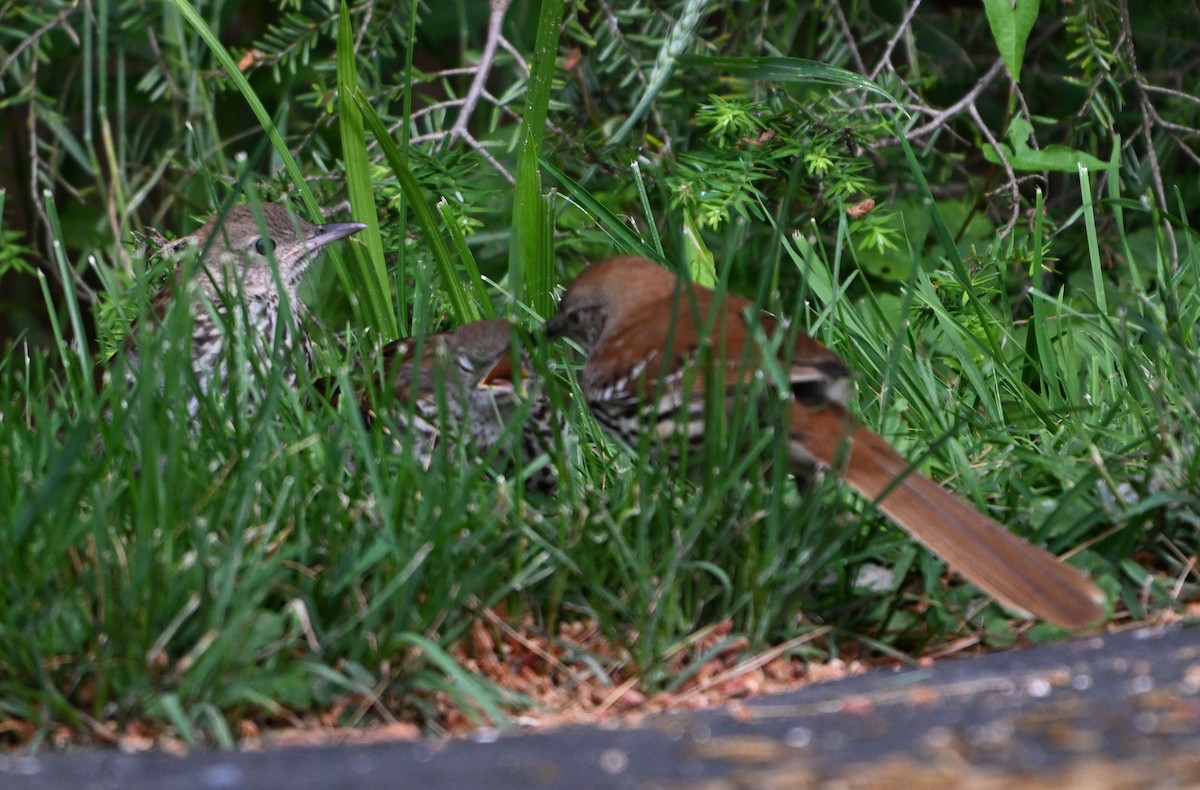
1118,710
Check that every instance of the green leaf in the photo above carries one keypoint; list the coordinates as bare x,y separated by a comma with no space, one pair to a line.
884,265
1011,22
778,69
1058,158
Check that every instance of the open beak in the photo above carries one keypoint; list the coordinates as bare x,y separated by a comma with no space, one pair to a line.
501,376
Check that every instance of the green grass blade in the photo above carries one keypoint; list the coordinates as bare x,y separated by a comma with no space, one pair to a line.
647,212
1041,323
474,279
462,308
950,248
530,268
1089,223
625,239
467,687
67,279
239,81
370,276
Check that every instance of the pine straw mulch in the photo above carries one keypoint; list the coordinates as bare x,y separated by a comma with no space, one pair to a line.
581,676
584,677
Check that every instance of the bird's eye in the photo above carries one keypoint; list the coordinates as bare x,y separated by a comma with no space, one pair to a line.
264,246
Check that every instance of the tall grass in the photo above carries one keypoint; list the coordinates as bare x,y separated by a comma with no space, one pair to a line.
189,576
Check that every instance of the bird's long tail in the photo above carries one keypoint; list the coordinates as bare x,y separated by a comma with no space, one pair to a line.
1003,565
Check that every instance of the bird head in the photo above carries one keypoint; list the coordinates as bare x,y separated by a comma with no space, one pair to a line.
242,246
477,354
481,350
606,295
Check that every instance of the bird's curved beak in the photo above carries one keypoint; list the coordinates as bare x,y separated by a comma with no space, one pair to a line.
330,232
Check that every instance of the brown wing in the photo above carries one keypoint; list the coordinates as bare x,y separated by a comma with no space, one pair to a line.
815,373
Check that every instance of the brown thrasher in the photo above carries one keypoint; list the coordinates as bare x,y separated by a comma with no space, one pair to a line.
636,322
460,385
248,268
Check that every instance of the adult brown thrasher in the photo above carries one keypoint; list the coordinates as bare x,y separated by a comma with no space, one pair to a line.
638,324
253,261
461,386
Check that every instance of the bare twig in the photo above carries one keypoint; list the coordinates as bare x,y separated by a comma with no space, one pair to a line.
517,57
495,22
1186,150
477,91
36,35
1171,92
364,26
848,36
1012,185
939,120
1148,119
886,58
432,108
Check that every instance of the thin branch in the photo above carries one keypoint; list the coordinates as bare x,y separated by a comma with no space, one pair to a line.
495,22
1186,150
476,91
1171,92
940,119
36,35
1012,184
886,58
458,71
848,35
1148,116
517,57
442,105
